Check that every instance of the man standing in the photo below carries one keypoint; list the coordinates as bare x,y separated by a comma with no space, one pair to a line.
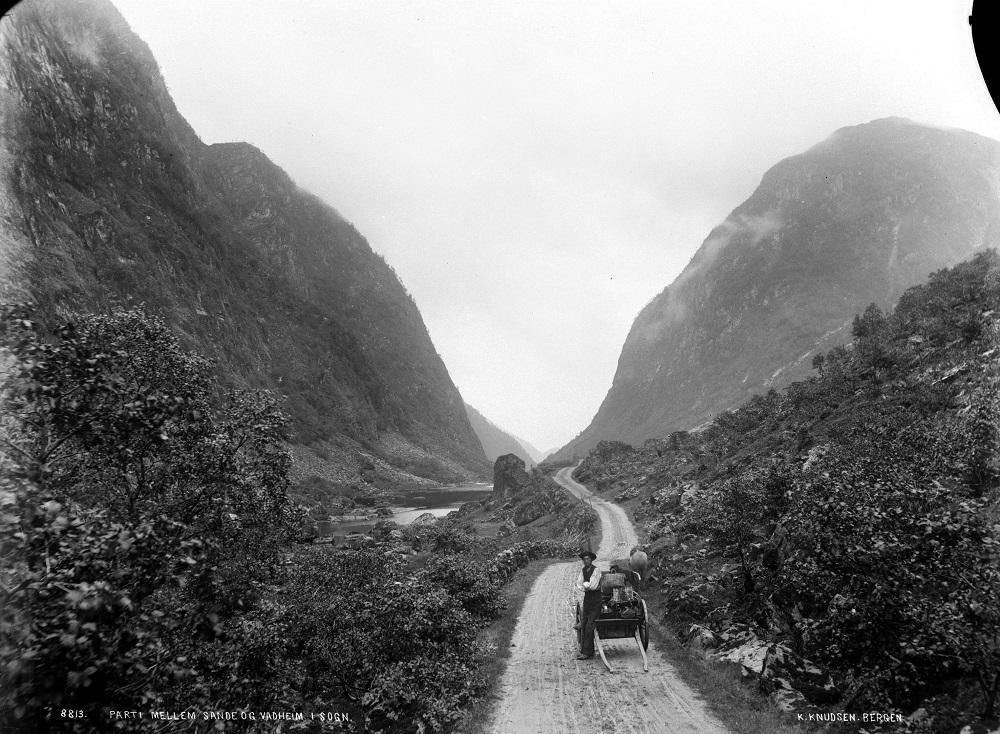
590,581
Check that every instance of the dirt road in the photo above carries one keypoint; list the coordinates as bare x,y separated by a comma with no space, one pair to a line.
546,691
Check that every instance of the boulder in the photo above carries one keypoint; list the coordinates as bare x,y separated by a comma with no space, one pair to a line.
790,701
741,646
782,669
702,637
509,478
426,519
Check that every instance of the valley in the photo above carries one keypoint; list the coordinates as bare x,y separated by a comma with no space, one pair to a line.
237,473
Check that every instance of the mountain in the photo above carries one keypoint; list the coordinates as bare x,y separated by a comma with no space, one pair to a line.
854,220
536,454
496,441
796,510
108,197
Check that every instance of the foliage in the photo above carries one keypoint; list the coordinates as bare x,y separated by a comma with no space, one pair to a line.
736,514
888,572
142,516
469,583
863,501
401,646
145,523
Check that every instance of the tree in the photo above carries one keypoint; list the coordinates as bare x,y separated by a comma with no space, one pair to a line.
740,509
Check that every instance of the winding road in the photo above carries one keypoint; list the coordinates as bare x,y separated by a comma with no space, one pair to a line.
545,690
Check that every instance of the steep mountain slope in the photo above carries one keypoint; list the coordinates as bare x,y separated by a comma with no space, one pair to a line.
536,454
108,197
496,441
854,220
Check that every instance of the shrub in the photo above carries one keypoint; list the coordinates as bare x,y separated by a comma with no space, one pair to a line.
142,516
889,573
400,646
469,583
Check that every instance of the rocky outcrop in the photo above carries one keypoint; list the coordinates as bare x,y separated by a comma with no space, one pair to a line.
739,645
701,637
509,478
793,683
783,670
854,220
520,498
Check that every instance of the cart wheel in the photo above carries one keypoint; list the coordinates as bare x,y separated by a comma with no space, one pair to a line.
644,629
579,626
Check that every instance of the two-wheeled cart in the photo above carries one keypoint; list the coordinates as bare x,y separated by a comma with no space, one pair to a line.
623,615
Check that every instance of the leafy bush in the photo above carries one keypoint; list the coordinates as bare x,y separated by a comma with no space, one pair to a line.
142,516
469,583
888,572
399,645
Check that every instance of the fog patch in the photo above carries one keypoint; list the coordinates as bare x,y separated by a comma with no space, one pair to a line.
85,44
760,226
746,230
741,229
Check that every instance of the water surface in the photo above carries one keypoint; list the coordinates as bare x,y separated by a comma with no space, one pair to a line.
438,501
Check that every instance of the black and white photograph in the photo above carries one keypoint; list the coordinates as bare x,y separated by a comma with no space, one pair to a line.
499,367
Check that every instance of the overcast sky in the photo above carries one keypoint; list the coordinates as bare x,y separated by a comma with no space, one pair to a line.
536,172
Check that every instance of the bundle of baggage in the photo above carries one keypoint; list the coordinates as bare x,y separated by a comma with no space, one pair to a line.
618,595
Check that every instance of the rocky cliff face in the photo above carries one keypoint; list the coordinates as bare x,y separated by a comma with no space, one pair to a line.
107,196
854,220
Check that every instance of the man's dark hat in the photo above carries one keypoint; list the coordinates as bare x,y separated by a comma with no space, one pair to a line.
593,556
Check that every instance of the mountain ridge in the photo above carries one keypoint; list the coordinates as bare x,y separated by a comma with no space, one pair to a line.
855,219
497,442
109,198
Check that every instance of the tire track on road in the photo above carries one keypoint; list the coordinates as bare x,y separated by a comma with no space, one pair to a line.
545,690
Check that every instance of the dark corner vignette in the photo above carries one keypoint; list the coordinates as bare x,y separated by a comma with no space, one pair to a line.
984,37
